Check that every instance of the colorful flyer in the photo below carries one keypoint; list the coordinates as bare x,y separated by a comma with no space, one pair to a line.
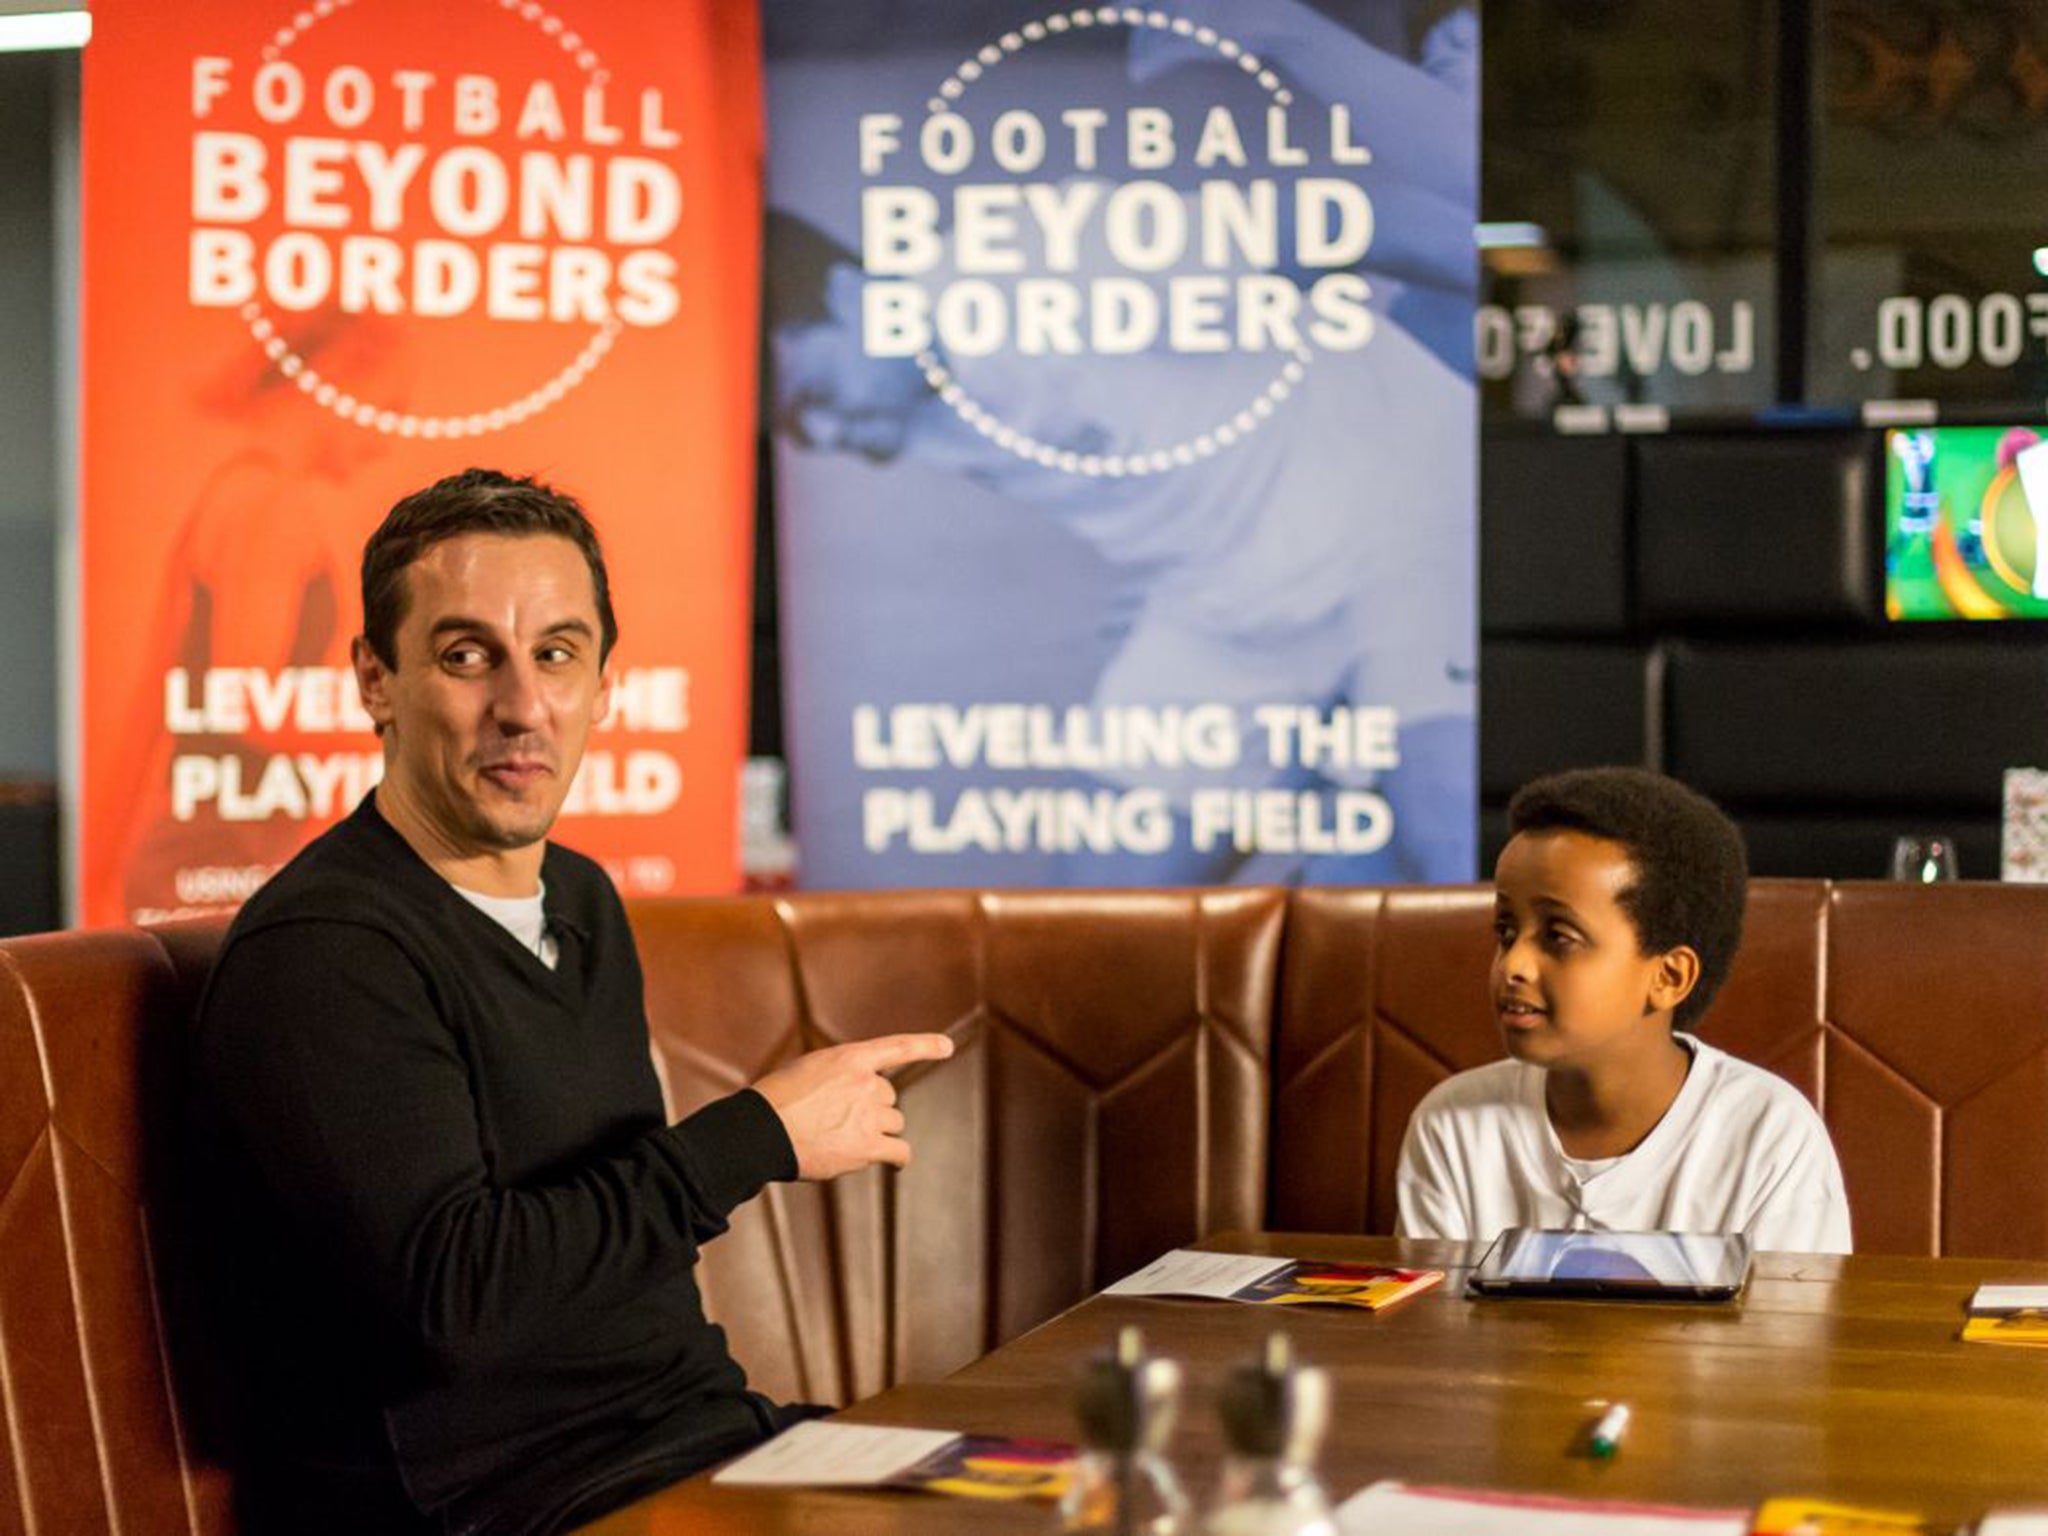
822,1454
1265,1281
2008,1314
1818,1517
2029,1327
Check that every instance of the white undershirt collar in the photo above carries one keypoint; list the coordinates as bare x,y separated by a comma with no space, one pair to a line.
524,917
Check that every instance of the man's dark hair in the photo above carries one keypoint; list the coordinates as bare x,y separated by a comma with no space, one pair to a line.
475,501
1691,873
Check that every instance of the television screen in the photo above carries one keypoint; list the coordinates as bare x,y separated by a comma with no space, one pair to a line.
1966,523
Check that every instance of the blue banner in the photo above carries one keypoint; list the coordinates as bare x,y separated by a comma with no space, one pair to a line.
1125,439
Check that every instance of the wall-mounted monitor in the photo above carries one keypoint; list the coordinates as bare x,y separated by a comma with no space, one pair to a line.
1966,523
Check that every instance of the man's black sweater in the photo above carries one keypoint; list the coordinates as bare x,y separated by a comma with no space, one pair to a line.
458,1236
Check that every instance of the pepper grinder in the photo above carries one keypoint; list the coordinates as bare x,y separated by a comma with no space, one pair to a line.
1123,1484
1274,1415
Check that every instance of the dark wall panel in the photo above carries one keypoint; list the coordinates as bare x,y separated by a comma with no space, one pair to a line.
1548,704
1859,847
1757,529
28,858
1553,535
1834,725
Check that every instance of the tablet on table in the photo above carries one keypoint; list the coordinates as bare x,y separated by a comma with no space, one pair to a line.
1688,1266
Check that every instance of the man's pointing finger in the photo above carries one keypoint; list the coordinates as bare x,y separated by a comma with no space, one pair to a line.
885,1052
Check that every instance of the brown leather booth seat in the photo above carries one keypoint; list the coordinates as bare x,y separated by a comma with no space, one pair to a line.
1134,1068
1107,1101
109,1408
1914,1017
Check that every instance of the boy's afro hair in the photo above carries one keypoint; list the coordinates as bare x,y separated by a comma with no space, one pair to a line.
1691,873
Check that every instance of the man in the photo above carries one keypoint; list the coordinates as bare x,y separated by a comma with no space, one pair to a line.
457,1237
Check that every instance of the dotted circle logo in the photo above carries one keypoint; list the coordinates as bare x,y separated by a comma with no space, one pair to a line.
330,395
1218,436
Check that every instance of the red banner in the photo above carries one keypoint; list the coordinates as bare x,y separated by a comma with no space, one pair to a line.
334,250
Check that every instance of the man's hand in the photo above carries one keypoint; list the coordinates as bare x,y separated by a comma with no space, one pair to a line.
839,1110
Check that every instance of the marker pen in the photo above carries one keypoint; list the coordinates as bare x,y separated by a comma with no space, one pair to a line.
1608,1432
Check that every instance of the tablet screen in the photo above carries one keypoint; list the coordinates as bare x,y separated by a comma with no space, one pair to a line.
1691,1264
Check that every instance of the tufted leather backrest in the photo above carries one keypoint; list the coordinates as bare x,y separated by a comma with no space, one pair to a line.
1383,997
1133,1069
1107,1100
1914,1018
1937,1065
104,1376
1385,994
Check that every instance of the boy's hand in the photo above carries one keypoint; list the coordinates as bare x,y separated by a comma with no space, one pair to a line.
838,1108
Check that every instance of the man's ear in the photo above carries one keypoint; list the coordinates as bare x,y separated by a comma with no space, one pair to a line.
606,676
373,682
1676,972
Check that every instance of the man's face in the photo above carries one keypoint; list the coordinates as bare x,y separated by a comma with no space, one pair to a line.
1570,981
830,394
497,684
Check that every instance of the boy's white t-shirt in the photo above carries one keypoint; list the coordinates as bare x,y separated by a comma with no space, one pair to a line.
1740,1150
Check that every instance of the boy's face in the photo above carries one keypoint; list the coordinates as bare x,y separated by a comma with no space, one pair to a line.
1571,985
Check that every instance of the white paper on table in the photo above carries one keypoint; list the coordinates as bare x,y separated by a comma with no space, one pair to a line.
2008,1298
814,1454
1395,1509
1185,1272
2014,1522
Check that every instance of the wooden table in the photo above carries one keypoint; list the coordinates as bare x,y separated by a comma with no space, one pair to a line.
1838,1378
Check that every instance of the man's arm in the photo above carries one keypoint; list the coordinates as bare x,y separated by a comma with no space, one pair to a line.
326,1064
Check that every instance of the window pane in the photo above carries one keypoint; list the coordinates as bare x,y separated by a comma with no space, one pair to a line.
1638,138
1933,153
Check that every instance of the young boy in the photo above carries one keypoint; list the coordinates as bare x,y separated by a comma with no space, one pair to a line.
1617,911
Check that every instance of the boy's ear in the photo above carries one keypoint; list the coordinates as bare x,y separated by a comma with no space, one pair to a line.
1676,973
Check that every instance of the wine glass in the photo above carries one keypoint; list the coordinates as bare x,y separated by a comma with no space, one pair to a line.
1924,857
